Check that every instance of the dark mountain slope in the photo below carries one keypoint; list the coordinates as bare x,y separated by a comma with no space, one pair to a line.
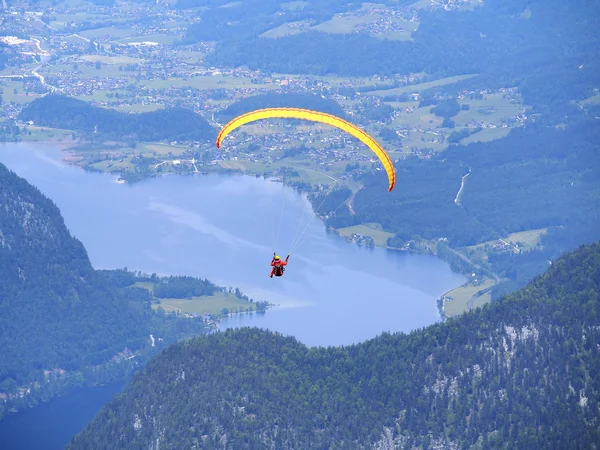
522,373
56,311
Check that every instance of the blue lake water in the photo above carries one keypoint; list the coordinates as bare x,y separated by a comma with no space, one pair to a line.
224,228
50,426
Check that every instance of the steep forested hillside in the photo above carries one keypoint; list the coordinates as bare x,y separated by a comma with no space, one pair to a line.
536,177
59,318
58,111
522,373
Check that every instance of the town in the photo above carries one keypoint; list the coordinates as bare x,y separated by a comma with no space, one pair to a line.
132,61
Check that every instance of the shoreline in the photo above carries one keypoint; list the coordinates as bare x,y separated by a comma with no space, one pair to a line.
69,158
471,283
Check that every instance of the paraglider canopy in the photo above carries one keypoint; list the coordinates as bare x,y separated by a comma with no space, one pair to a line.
314,116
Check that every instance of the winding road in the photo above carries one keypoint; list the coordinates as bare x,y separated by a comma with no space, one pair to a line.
462,186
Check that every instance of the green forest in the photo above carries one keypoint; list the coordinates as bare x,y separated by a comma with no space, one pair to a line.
521,373
58,111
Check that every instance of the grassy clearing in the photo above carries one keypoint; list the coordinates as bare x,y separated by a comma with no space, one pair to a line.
593,100
287,29
486,135
209,82
422,86
211,304
46,134
368,229
112,32
419,117
20,97
159,38
88,70
492,108
116,166
343,24
349,23
161,149
112,59
97,96
529,239
482,299
461,296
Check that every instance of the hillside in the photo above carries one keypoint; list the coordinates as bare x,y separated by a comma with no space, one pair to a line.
58,111
522,373
62,323
507,42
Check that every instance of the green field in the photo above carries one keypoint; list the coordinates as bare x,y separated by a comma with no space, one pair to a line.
212,304
112,59
208,82
462,295
530,239
343,24
159,38
368,229
46,134
287,29
393,28
422,86
9,95
112,32
160,149
593,100
486,134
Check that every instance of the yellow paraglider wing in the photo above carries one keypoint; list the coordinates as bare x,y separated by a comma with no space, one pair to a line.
314,116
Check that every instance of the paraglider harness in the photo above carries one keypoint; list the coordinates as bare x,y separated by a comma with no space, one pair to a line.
278,266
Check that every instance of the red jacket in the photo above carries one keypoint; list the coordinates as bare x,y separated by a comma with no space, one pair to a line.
278,262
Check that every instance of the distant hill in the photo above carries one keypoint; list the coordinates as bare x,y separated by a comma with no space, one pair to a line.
549,49
62,323
58,111
522,373
307,101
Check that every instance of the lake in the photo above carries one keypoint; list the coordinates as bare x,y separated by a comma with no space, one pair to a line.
50,426
224,228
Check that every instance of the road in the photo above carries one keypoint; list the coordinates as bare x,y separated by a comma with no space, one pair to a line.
351,200
462,186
